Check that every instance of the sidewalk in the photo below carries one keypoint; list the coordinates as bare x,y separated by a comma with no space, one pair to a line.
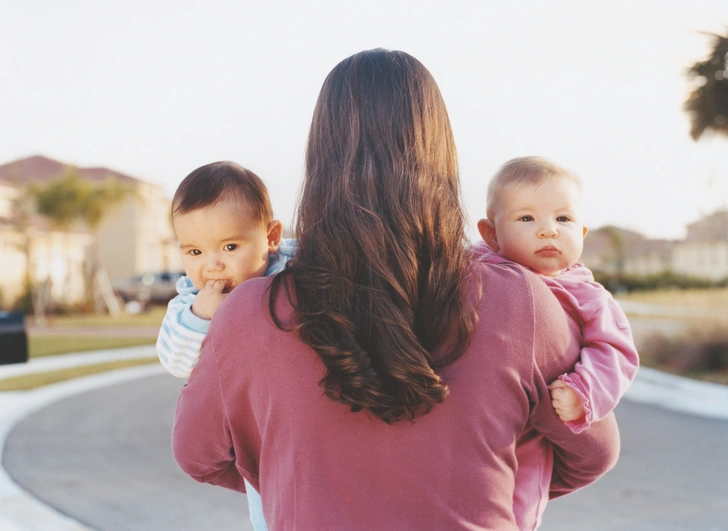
20,511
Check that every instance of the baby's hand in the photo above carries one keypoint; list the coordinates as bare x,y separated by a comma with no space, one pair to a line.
566,402
209,299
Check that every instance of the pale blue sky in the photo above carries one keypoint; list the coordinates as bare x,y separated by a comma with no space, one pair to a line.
155,89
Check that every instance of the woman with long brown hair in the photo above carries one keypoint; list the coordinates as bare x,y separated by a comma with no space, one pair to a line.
383,379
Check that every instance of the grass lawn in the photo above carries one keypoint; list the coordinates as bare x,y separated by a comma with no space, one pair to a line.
697,342
690,298
51,345
153,317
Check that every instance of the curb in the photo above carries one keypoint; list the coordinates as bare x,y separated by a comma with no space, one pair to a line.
66,361
683,395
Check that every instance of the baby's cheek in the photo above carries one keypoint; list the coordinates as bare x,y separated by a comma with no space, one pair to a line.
197,281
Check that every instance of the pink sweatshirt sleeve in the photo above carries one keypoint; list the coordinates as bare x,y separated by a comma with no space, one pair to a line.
608,363
202,442
578,459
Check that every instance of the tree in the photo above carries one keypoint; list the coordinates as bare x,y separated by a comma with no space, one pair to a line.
99,198
20,215
707,104
59,201
70,198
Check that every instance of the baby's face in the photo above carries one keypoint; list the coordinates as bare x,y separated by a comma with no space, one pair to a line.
539,226
223,242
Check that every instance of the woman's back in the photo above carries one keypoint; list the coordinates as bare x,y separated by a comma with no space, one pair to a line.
385,399
324,467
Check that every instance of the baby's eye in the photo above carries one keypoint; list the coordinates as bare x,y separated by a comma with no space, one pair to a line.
195,252
525,218
230,247
563,219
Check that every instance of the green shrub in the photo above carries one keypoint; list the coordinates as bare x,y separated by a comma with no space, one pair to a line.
700,349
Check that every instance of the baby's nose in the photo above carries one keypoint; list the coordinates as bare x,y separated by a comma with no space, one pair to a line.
548,231
214,263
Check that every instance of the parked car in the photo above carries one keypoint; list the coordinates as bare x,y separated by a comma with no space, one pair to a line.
148,288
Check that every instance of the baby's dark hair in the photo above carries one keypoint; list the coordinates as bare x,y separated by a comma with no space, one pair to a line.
218,181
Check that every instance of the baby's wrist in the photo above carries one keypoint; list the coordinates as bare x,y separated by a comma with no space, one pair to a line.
192,322
202,311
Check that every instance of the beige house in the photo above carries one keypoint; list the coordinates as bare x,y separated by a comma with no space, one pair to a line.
51,257
704,252
613,250
134,237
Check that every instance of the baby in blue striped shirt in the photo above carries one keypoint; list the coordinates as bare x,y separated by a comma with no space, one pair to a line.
224,223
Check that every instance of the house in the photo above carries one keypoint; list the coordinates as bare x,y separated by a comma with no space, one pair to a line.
134,236
613,250
704,252
32,251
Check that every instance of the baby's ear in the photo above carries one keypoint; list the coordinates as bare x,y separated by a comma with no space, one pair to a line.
275,232
487,231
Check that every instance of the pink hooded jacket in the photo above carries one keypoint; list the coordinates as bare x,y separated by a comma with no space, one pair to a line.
607,365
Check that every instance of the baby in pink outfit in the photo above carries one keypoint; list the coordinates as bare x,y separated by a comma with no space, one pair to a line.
533,220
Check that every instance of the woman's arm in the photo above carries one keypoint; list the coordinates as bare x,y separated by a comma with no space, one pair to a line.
578,459
201,439
596,455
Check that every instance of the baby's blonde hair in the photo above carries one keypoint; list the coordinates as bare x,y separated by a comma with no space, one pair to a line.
523,170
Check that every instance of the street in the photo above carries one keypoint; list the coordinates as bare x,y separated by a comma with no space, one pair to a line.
103,457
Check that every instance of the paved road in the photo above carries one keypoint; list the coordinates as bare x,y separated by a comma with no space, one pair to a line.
103,458
672,475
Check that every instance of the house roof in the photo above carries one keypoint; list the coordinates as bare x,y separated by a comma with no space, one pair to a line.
41,169
710,228
609,231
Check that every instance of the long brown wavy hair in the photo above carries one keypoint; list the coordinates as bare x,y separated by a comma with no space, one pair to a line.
376,280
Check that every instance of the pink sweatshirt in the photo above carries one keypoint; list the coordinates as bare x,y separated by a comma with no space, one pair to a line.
607,365
253,409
